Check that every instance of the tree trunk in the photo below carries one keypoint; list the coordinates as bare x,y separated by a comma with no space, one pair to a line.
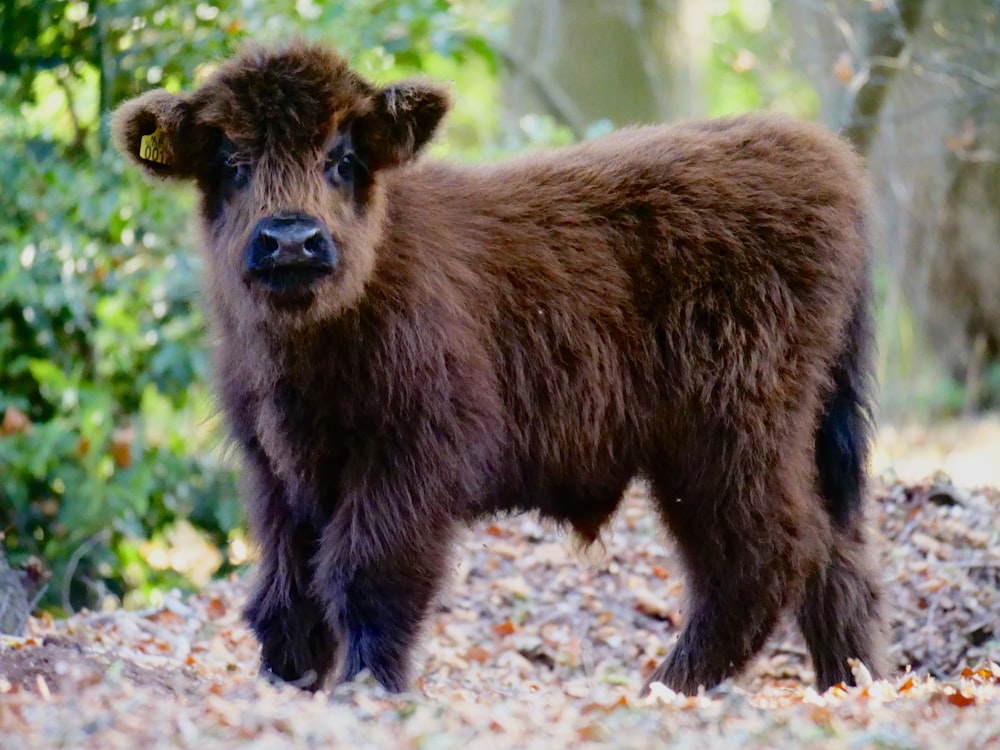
585,62
931,134
14,604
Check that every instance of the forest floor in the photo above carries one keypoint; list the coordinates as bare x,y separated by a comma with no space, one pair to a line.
535,647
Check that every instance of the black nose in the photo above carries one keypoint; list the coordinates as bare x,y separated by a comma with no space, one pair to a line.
290,252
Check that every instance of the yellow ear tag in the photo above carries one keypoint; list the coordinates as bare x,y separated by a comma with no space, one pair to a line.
151,148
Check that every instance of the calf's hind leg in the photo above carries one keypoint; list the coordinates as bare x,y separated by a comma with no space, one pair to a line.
748,549
841,612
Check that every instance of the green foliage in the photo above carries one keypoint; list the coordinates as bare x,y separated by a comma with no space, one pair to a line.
101,337
750,63
101,350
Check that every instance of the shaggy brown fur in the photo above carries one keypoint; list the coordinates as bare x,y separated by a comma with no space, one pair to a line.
405,345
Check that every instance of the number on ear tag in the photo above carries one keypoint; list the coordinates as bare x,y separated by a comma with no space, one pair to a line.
151,148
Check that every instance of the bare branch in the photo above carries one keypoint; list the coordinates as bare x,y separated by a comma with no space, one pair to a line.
79,131
78,554
548,91
888,29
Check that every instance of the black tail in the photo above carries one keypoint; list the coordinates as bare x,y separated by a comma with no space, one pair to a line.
846,429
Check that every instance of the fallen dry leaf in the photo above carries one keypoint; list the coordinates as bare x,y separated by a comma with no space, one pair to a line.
533,649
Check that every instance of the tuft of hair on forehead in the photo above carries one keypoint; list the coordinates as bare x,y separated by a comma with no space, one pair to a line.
282,99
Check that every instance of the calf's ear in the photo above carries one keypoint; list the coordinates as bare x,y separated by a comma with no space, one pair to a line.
156,131
402,121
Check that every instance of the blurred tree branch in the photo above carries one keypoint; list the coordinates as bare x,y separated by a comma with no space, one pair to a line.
889,26
590,63
548,90
13,64
79,129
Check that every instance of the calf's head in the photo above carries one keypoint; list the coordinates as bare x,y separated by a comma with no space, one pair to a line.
286,147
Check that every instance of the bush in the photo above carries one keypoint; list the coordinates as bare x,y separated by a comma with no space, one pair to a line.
101,377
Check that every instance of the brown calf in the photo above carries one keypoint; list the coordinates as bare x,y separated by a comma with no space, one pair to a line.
406,345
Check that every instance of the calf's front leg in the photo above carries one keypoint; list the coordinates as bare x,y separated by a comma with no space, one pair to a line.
381,561
297,645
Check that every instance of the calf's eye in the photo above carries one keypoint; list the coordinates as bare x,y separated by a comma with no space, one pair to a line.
238,172
345,167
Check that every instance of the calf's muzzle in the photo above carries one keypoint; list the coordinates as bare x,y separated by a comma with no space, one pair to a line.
289,253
